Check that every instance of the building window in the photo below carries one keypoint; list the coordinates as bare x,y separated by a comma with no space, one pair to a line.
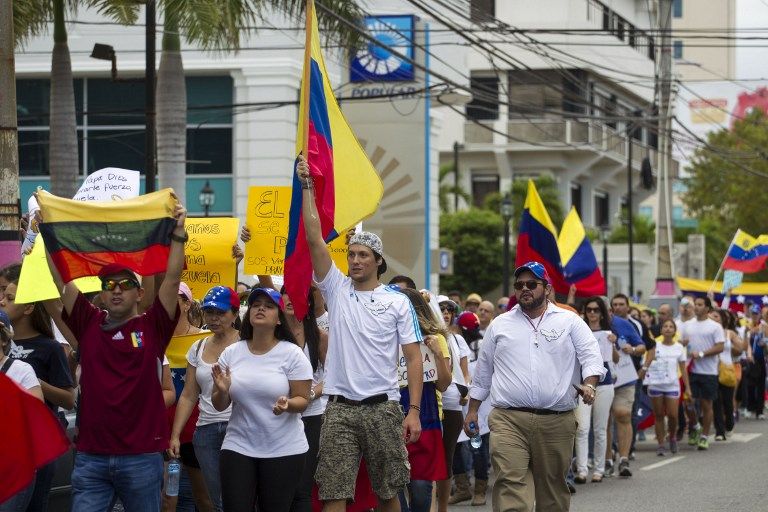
110,124
677,8
677,49
602,216
576,197
482,186
482,11
485,94
645,211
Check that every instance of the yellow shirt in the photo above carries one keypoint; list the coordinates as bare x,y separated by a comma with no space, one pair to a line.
446,354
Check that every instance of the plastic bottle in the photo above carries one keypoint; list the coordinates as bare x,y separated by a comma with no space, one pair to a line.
476,441
174,474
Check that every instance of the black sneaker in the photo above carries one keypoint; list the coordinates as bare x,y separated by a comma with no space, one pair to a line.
624,468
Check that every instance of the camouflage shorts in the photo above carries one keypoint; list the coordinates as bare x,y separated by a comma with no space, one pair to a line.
374,432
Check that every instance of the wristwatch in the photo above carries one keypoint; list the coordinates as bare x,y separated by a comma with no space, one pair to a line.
181,239
590,386
311,394
701,355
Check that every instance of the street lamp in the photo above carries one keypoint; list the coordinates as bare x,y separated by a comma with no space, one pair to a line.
207,197
506,215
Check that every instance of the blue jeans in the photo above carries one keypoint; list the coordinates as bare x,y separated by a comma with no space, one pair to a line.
421,497
135,479
207,441
481,458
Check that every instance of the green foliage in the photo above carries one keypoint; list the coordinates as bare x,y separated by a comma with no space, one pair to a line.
474,235
726,186
547,188
643,230
448,190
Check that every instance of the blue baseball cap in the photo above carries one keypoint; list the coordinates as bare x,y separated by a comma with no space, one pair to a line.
6,323
273,294
755,309
535,268
222,298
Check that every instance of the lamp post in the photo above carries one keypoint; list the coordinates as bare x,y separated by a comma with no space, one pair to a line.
207,197
605,231
506,215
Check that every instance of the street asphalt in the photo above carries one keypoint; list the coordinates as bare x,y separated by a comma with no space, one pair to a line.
731,476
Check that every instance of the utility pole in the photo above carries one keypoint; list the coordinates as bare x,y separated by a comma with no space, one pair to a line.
9,141
150,171
665,286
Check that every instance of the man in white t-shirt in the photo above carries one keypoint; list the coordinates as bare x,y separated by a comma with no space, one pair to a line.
368,322
705,339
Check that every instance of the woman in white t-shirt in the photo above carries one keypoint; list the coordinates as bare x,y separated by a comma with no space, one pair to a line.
314,343
667,364
722,408
266,378
24,375
220,309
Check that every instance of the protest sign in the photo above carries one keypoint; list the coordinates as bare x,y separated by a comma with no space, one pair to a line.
732,279
109,184
267,218
428,363
36,282
208,254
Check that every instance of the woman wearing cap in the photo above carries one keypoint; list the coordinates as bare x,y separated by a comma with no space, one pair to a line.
266,378
314,344
453,416
220,312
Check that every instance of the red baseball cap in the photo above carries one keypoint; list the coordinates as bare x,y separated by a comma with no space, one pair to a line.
468,320
113,269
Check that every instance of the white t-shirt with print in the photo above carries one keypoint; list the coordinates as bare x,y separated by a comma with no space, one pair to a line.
204,378
672,355
365,330
257,382
702,335
22,374
451,396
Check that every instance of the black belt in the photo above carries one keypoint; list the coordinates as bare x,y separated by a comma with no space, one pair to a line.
540,412
371,400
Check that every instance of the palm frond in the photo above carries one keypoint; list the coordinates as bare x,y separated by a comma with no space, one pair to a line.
122,11
340,20
30,18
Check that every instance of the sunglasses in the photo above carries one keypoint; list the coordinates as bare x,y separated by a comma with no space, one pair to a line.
531,285
501,306
125,284
446,309
592,310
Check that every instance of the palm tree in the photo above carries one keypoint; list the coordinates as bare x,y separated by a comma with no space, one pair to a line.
448,191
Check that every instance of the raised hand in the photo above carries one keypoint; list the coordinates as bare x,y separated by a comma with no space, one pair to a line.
245,234
280,406
221,379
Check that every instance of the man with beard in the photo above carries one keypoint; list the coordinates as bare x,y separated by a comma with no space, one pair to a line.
531,361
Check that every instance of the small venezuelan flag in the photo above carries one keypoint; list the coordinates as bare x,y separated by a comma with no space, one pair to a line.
747,254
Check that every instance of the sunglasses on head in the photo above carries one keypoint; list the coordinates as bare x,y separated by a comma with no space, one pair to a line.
125,284
531,285
592,310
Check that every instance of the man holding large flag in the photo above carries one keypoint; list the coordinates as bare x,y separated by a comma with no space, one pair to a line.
368,322
123,428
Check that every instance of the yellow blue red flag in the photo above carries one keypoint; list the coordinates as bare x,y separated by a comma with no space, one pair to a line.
347,187
747,254
578,259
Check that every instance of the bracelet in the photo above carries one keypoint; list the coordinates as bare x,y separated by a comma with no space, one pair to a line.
590,386
307,184
411,406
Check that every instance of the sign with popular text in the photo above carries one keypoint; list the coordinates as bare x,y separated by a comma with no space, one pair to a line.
208,254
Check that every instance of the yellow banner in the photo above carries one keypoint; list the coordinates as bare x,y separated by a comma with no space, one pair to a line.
179,346
208,254
267,219
687,284
36,282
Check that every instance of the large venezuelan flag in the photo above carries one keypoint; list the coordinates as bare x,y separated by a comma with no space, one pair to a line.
347,187
747,254
176,352
537,239
426,455
82,237
578,259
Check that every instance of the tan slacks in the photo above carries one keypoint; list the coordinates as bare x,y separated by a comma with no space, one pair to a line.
530,454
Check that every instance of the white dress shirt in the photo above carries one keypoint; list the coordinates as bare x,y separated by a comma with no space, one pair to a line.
523,366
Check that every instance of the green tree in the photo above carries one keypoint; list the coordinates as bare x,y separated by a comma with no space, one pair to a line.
448,190
726,186
643,230
474,235
550,196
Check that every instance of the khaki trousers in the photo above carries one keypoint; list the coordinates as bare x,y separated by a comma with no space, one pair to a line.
530,454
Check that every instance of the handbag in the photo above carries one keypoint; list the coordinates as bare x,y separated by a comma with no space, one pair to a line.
726,375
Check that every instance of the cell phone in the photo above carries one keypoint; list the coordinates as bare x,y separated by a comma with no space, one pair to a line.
578,389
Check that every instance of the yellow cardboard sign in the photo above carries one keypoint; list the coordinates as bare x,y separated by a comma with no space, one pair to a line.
36,282
267,218
208,254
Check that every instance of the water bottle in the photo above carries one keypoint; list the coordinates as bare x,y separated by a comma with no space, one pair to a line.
174,474
475,441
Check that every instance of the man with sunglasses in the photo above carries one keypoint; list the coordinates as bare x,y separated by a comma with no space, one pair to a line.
122,417
535,360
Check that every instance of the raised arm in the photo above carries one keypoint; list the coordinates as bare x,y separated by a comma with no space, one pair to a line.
169,289
321,258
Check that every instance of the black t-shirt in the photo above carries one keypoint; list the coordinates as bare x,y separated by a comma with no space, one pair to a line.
47,358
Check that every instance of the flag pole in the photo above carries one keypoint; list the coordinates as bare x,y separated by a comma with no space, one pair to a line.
720,270
306,74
